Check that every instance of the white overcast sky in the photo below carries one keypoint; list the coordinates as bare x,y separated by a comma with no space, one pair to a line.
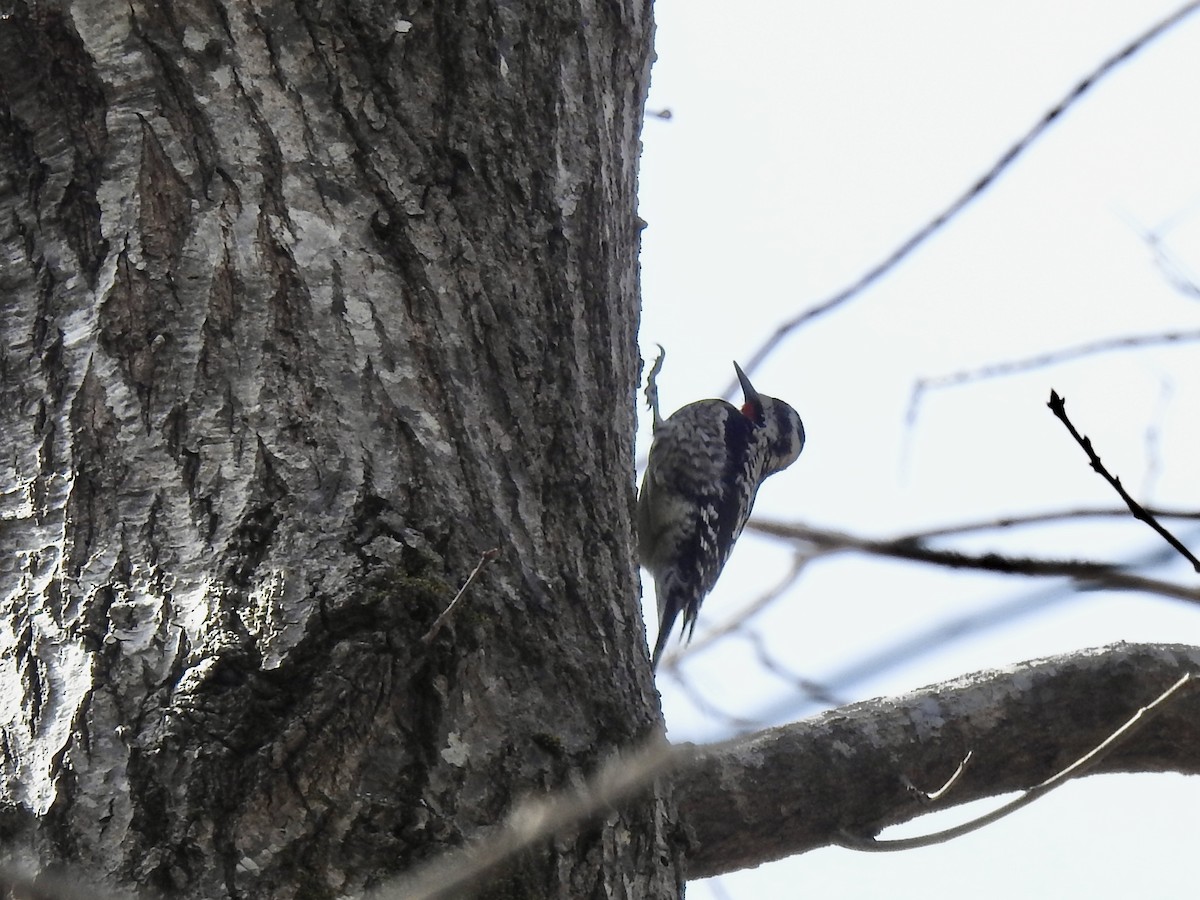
808,140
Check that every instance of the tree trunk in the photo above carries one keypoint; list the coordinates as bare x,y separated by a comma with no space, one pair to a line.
305,307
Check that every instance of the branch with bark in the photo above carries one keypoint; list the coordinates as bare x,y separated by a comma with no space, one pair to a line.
799,787
858,769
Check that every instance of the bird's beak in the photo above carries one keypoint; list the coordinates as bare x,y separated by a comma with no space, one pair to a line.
747,387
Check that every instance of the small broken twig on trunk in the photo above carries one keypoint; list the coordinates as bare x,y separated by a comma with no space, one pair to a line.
488,556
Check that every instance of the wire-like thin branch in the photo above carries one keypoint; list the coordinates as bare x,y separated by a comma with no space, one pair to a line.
488,556
1058,406
934,796
1049,516
1041,360
814,689
706,707
1081,765
1172,268
1011,155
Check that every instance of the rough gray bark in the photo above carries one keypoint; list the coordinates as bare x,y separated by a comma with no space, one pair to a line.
304,307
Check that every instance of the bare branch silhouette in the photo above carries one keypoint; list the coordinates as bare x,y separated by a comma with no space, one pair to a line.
832,688
1173,269
1058,406
1039,361
1047,517
1090,573
937,636
813,689
1011,155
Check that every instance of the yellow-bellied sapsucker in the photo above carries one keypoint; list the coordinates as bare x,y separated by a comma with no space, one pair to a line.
706,464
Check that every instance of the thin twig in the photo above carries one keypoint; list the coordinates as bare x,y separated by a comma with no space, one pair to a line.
934,796
1011,155
1058,406
1081,765
1041,360
1172,268
1049,516
488,556
904,648
813,689
710,710
652,387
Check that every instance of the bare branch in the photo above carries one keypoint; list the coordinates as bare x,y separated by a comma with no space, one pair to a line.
1172,267
796,788
1011,155
787,790
706,706
807,686
1058,406
915,551
1138,720
1042,360
933,796
1090,573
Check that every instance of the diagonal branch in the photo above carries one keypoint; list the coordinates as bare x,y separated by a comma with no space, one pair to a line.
787,790
1058,406
793,789
1011,155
